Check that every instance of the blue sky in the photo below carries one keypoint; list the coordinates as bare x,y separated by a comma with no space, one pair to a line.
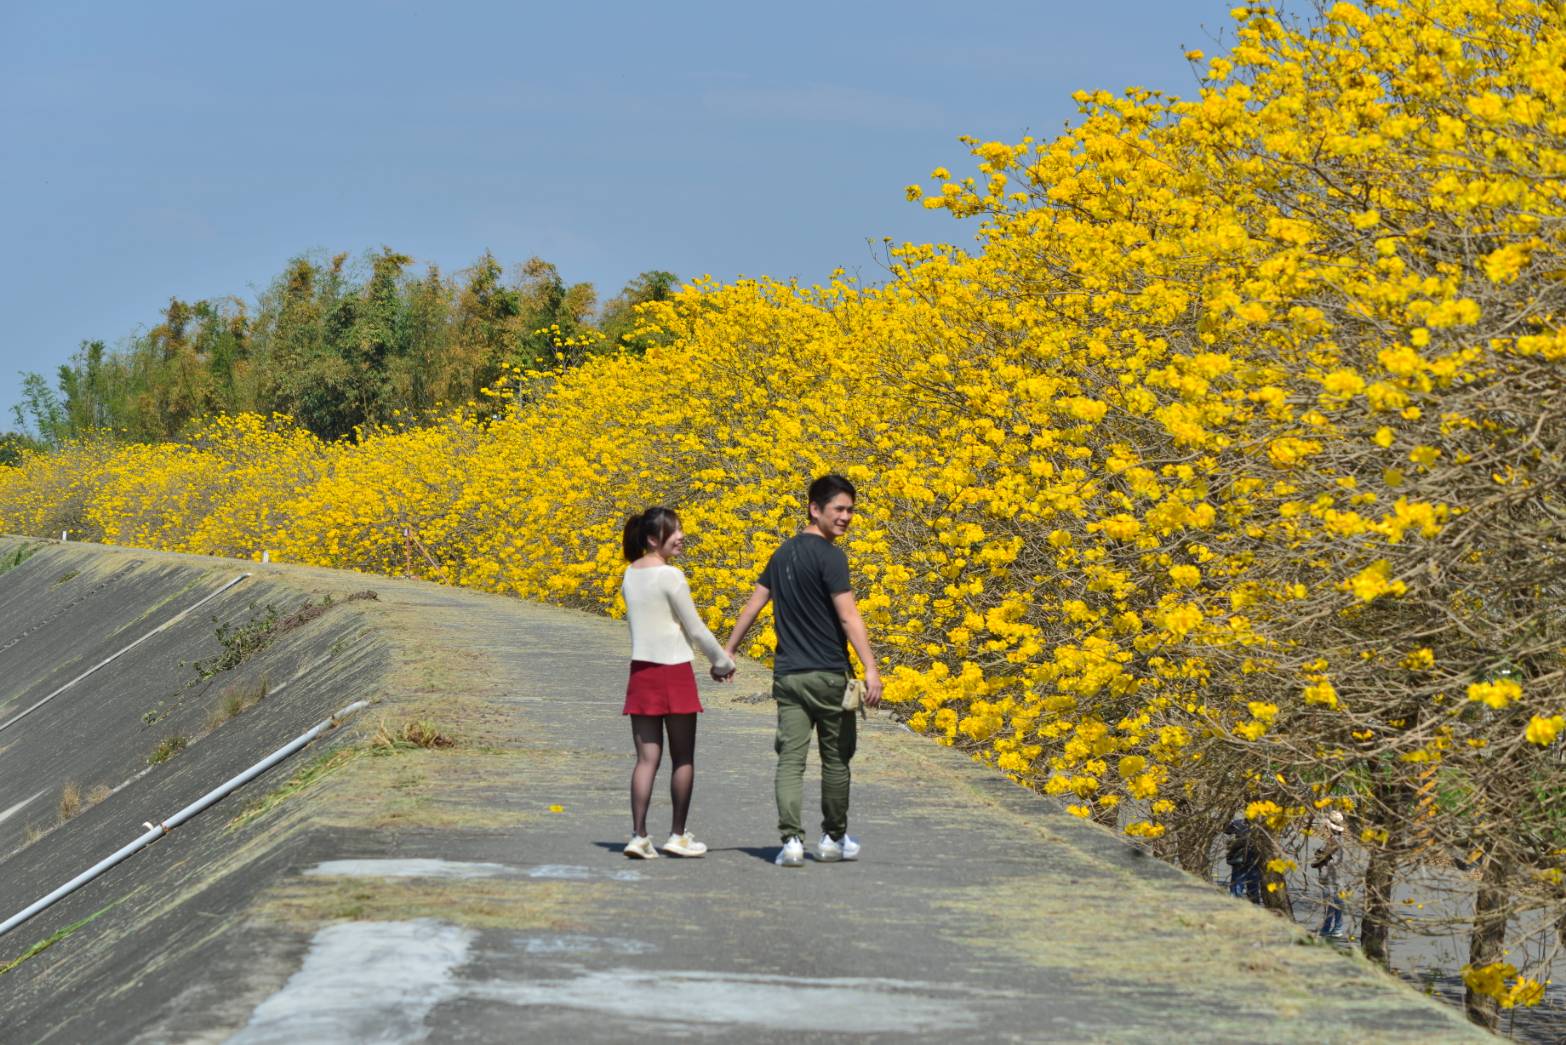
191,149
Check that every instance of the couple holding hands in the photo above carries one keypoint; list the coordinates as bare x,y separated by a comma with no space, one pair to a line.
815,618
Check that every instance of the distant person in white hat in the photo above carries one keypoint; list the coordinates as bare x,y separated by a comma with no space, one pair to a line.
1329,862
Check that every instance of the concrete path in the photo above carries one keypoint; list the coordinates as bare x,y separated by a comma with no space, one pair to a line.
977,910
477,892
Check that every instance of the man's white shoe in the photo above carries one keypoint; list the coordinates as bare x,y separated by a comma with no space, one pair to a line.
684,845
792,854
640,847
830,850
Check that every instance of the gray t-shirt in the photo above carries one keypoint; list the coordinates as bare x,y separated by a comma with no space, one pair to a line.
803,575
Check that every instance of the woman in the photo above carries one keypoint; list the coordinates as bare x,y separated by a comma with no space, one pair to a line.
661,694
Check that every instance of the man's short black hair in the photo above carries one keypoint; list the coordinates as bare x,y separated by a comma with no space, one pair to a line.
828,487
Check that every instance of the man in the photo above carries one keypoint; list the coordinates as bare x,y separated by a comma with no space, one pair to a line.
815,618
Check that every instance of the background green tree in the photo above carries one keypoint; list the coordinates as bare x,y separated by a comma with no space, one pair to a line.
337,346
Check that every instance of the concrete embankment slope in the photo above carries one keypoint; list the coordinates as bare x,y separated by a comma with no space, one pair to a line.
445,865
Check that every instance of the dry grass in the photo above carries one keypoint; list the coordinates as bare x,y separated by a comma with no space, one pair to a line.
311,610
73,802
70,801
492,903
235,700
412,733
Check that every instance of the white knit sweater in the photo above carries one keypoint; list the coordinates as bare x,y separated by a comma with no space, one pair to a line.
664,622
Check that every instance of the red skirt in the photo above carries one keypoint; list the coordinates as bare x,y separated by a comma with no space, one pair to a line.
661,689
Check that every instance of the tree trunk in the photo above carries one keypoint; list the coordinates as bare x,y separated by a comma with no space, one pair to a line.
1488,940
1385,817
1375,926
1275,888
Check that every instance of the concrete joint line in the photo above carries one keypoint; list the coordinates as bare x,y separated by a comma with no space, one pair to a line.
163,827
39,625
121,652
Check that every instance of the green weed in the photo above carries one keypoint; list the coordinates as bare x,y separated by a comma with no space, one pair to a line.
48,942
167,748
325,763
17,557
240,642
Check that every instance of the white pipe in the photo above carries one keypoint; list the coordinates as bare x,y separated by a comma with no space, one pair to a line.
157,831
116,655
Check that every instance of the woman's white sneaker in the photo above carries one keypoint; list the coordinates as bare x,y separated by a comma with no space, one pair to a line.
830,850
792,854
640,847
684,845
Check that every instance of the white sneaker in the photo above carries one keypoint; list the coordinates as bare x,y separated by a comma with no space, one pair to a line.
830,850
640,847
792,854
684,845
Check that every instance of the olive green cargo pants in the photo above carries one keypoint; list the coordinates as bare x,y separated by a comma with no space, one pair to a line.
812,701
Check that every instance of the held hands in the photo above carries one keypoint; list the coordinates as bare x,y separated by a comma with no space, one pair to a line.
726,674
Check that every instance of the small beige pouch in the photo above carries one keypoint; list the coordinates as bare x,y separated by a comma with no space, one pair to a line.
854,697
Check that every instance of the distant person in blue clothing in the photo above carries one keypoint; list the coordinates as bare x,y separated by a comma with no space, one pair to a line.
1244,857
816,618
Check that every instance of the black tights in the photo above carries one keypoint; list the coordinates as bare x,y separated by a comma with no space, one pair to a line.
647,733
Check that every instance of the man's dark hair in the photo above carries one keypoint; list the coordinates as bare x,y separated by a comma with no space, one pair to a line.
828,487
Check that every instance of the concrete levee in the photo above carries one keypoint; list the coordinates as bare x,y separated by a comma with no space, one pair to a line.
64,610
445,866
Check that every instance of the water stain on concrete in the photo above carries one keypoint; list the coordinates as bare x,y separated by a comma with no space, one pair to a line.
575,873
451,869
378,981
364,981
577,945
848,1005
413,868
